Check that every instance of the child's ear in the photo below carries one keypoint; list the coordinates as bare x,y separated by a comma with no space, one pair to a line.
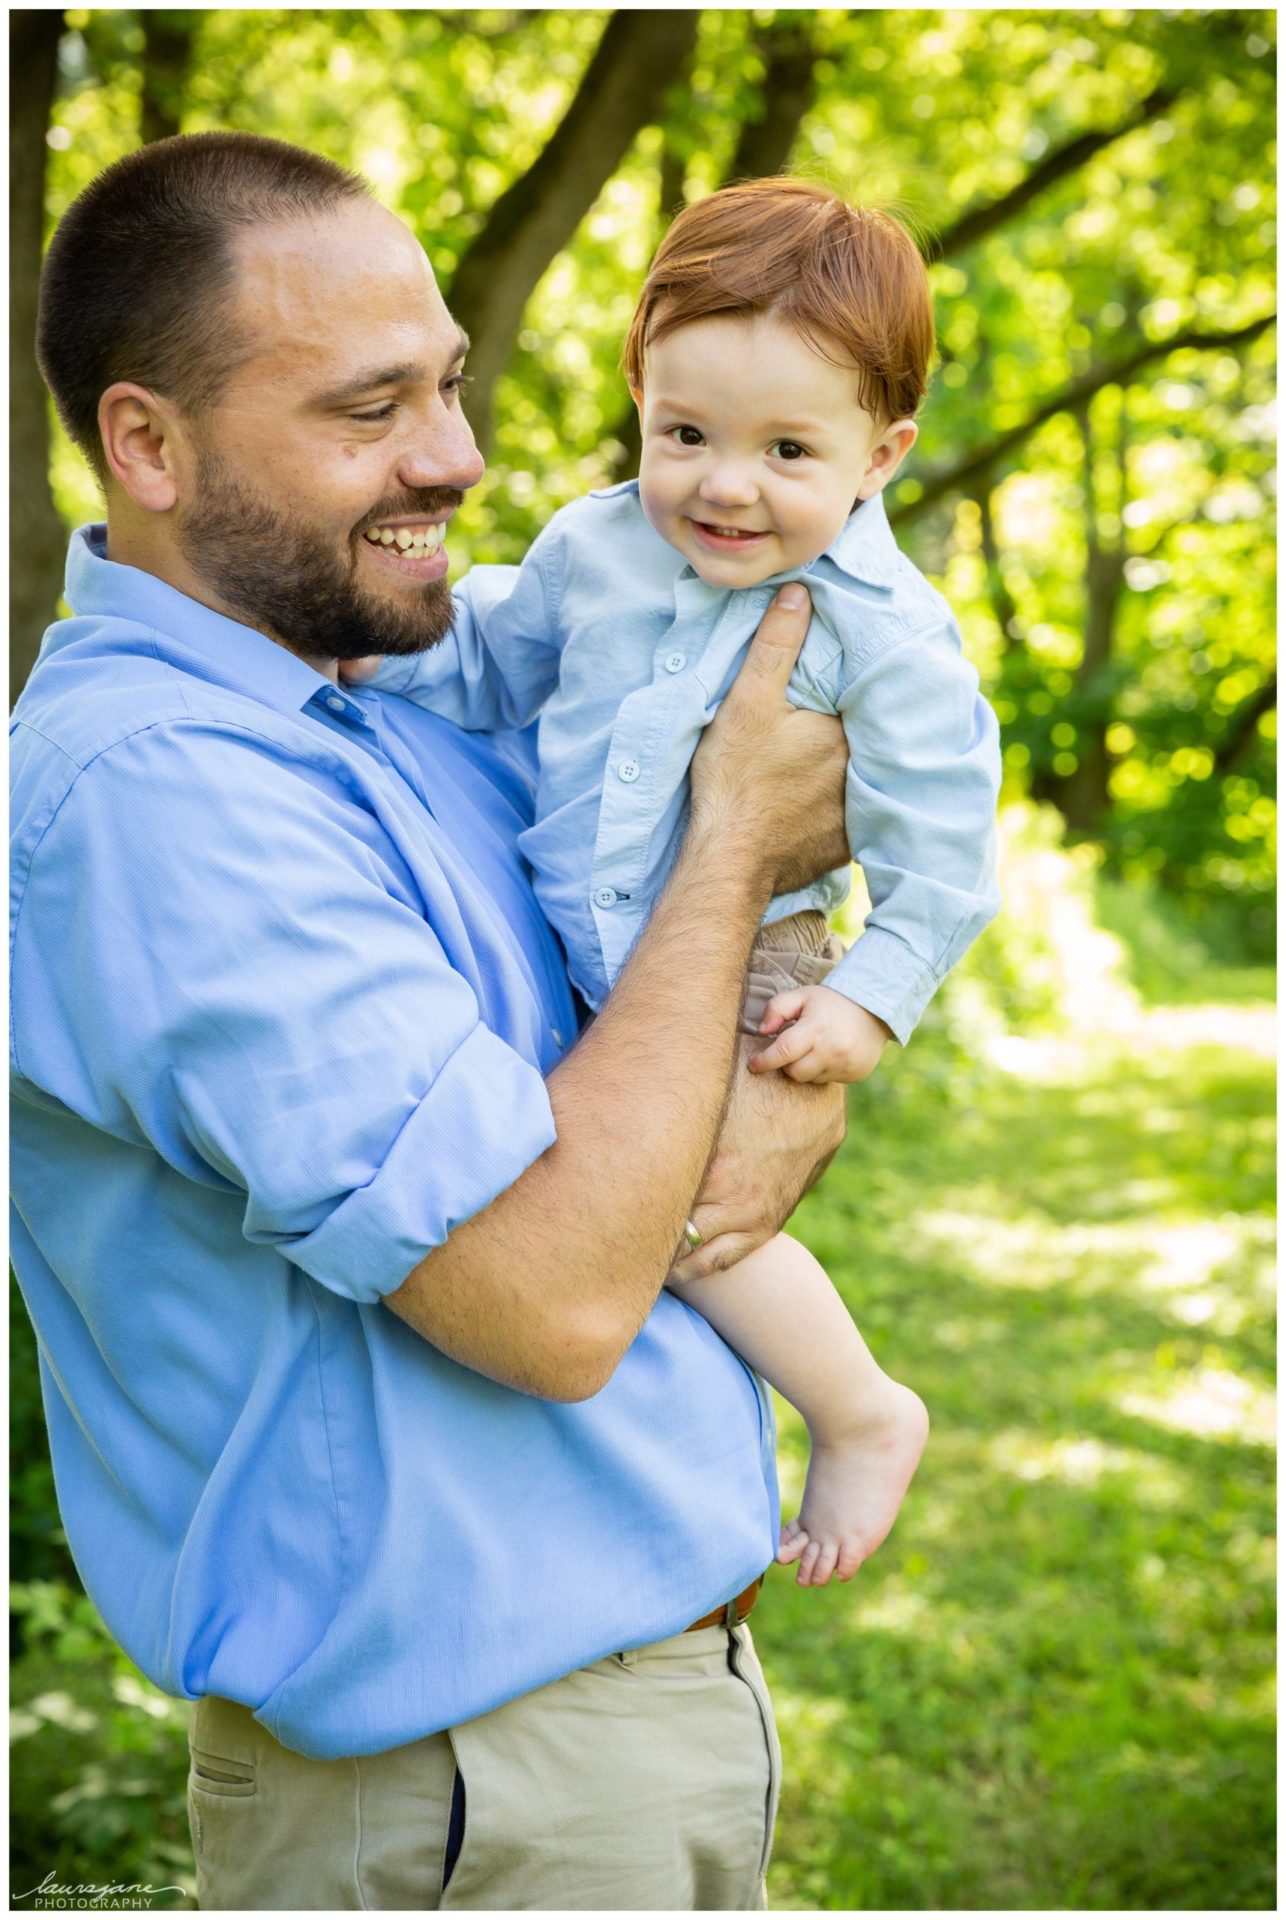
636,395
887,456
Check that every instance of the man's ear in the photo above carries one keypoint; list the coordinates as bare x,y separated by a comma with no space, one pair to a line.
887,456
140,442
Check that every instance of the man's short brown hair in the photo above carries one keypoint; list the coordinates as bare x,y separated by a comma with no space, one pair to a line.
139,277
844,277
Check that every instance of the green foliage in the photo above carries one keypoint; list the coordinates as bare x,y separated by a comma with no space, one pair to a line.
99,1760
1051,1688
1169,226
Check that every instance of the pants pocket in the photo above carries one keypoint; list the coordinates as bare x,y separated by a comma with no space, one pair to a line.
455,1828
215,1774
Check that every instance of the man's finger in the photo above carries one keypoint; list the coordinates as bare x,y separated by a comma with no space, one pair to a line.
772,654
715,1256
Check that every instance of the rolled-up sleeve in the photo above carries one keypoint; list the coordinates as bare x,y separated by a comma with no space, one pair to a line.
226,960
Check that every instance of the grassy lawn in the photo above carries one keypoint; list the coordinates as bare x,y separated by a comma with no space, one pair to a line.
1053,1686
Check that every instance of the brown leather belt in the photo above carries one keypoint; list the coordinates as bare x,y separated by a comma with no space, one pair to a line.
733,1613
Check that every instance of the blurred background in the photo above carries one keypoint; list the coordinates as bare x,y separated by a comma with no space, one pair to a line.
1053,1686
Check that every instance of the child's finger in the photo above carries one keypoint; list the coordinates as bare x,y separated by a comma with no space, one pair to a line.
812,1065
788,1046
784,1006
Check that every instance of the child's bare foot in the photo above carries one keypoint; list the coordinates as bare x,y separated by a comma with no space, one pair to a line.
855,1485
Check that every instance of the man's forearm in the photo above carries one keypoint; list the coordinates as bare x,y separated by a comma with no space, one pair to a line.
546,1288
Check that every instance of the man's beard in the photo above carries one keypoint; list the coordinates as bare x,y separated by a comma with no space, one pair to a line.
280,575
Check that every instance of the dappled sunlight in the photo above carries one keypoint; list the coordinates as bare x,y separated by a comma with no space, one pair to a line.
1211,1402
1080,1461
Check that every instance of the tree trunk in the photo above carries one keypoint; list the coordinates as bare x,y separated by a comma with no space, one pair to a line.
763,148
1083,797
167,56
36,539
639,56
789,83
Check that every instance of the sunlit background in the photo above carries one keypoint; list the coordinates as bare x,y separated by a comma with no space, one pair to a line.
1052,1688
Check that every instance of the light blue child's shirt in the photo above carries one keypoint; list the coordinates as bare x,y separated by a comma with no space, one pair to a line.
625,653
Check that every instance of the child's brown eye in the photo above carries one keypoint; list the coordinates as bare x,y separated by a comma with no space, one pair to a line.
687,436
791,450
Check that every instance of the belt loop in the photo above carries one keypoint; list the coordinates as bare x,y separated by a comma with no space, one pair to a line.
730,1616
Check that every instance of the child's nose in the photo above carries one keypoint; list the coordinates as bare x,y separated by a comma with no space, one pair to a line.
729,485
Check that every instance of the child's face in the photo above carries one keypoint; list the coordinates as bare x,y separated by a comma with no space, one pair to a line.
755,448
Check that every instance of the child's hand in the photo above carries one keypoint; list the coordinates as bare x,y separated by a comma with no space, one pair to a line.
826,1037
354,672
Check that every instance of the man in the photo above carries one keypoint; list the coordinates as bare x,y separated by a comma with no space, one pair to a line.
373,1431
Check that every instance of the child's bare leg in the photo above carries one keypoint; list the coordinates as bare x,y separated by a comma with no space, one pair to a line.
779,1310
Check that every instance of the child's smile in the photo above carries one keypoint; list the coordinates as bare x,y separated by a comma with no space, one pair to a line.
755,448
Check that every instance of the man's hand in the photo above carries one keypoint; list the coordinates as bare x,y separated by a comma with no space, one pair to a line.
771,775
777,1139
827,1037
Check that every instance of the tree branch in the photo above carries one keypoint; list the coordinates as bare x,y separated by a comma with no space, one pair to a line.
167,55
1114,373
768,134
638,57
1241,734
36,539
1056,166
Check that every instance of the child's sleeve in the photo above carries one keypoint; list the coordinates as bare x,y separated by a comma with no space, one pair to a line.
499,661
920,805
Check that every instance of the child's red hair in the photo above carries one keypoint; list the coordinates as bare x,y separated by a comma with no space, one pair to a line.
844,277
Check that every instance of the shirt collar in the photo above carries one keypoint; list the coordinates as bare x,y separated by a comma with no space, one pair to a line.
219,649
866,549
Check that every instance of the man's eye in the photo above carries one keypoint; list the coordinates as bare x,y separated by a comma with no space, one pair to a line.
379,413
688,436
789,450
457,383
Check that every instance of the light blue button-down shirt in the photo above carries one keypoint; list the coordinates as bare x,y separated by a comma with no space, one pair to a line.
282,1004
625,652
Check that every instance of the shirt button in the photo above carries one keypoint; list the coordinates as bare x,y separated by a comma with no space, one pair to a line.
605,897
675,662
335,704
558,1038
628,770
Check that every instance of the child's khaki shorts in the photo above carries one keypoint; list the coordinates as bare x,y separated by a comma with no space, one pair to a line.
796,952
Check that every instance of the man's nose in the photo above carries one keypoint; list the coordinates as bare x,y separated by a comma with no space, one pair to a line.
729,484
442,453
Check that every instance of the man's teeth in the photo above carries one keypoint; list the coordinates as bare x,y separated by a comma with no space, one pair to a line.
424,540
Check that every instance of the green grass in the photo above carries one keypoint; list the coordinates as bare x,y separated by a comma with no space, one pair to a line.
1052,1687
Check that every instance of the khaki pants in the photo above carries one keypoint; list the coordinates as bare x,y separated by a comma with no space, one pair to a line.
648,1780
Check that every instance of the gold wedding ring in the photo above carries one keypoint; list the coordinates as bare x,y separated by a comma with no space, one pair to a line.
691,1235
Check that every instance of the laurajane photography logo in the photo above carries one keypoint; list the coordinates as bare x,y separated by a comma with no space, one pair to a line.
51,1896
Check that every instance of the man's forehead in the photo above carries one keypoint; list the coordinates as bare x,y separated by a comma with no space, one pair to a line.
310,285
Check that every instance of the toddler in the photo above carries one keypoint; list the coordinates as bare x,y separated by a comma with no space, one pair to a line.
778,355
